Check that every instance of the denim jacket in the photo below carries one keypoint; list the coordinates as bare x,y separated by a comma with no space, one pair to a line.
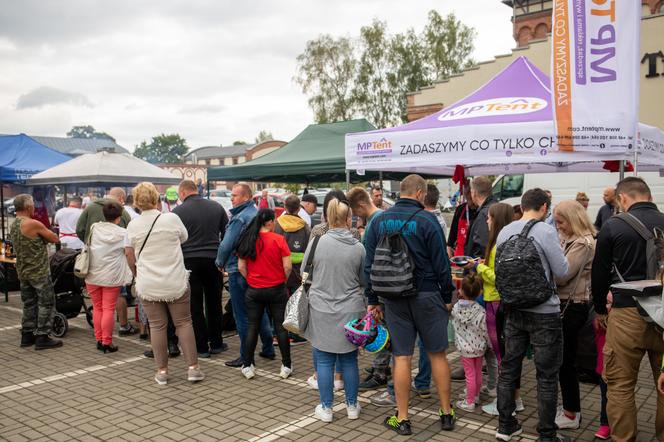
241,216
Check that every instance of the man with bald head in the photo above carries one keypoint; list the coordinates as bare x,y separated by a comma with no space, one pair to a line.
93,213
608,209
242,214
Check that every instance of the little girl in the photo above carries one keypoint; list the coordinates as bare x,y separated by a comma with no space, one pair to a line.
471,338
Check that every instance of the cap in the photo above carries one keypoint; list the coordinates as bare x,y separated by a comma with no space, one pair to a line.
172,194
309,198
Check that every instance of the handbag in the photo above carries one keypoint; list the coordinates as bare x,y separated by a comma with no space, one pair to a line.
133,281
296,317
82,262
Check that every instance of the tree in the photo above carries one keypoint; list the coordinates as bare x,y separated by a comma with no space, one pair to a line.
264,136
326,70
239,143
370,75
88,132
163,149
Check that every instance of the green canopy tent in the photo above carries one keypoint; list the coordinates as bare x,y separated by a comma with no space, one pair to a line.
315,155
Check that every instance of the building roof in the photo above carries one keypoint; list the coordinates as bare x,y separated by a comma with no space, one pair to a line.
203,153
78,146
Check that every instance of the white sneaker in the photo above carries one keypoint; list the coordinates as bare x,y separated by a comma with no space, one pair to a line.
249,372
492,407
519,405
312,382
323,413
491,392
338,384
353,411
465,406
286,372
563,422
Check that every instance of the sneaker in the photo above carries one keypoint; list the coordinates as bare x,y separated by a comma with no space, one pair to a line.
338,384
465,406
217,350
249,372
148,354
604,432
27,339
270,356
235,363
458,374
161,377
372,383
312,382
204,355
508,432
353,411
492,408
285,372
423,393
519,405
297,341
384,399
491,392
564,422
173,350
323,413
127,330
195,374
44,342
447,420
401,427
463,395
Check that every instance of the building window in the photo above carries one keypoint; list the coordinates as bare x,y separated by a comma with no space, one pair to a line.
234,160
661,8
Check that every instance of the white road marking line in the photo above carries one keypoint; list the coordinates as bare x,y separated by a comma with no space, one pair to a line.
11,327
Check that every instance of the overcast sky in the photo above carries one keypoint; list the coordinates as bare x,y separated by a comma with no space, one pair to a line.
213,71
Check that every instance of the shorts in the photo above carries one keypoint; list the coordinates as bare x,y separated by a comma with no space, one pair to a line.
125,292
424,315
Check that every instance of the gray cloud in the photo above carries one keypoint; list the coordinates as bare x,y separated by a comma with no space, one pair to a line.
46,95
202,109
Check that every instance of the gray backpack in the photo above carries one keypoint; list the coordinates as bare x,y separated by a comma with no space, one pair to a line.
392,270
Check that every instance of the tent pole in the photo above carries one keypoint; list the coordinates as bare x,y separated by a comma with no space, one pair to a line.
636,163
622,170
2,204
347,180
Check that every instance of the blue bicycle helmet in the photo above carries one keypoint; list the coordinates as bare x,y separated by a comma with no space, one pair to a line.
379,339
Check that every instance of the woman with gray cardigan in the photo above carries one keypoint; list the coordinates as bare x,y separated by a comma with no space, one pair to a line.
335,297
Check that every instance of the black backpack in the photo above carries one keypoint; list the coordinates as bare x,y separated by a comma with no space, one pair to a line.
392,271
654,244
520,276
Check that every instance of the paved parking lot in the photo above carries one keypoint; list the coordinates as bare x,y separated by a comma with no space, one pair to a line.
78,393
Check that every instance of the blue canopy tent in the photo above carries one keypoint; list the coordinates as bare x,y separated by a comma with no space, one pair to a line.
20,158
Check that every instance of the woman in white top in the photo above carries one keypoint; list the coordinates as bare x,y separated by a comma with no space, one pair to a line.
108,272
162,282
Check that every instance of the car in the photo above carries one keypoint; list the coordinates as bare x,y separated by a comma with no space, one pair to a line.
225,202
278,198
9,207
223,193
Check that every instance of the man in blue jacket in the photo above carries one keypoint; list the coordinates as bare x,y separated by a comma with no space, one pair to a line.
425,314
242,213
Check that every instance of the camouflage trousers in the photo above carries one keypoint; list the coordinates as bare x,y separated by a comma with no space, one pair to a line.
38,305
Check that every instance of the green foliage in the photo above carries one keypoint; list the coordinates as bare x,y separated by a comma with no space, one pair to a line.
163,149
264,136
370,75
239,143
88,132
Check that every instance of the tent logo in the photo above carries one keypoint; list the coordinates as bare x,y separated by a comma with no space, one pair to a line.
382,146
494,107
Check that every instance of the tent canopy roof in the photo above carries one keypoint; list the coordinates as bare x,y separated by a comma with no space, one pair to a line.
104,168
315,155
21,157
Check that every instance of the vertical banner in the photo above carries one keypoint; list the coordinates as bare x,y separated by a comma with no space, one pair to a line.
595,74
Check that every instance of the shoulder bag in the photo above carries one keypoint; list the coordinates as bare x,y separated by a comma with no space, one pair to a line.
133,281
296,317
82,262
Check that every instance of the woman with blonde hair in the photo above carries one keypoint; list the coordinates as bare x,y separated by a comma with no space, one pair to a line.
577,239
335,297
162,282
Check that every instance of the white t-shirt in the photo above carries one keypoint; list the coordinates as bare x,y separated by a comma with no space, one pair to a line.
66,218
132,213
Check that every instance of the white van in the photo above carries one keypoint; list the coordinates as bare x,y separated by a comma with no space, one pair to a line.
565,186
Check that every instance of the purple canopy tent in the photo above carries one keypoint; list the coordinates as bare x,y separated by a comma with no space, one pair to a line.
505,127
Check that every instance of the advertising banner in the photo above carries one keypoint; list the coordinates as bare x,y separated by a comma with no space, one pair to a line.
595,74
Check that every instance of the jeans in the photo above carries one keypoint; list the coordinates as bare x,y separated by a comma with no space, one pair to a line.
103,307
237,286
574,319
544,333
325,368
257,302
472,367
337,365
205,281
423,379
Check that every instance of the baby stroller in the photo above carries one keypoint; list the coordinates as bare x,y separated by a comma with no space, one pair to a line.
68,289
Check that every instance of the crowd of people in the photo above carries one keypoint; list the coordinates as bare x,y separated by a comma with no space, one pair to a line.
534,280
